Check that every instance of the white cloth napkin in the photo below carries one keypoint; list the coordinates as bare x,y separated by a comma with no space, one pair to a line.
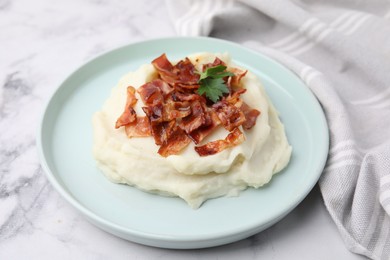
341,50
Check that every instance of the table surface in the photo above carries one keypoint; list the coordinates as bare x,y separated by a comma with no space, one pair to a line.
41,42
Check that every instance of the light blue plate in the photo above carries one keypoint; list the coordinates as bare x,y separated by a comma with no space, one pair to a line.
65,145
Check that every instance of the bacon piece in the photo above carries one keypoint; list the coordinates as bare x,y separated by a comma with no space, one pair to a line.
196,119
234,97
165,88
175,143
229,115
174,110
138,128
182,73
184,96
186,72
129,115
232,139
217,61
162,64
154,115
191,87
203,131
250,114
151,93
235,81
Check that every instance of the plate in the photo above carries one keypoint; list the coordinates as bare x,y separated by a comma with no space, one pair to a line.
65,147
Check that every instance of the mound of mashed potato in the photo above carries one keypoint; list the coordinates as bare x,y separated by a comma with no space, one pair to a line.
135,161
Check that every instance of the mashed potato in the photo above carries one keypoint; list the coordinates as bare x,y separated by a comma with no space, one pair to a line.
135,161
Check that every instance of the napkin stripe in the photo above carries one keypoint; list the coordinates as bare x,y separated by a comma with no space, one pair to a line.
343,19
383,96
308,74
183,20
347,28
314,29
357,24
343,164
197,21
297,36
349,144
300,41
346,154
356,19
194,26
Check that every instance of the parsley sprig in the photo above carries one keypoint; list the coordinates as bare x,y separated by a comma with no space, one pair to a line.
211,82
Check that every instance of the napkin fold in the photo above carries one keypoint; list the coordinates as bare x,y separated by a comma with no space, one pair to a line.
341,50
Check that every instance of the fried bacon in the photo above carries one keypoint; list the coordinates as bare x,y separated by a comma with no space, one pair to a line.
128,114
157,126
138,128
250,114
175,109
151,93
229,115
235,81
176,115
196,119
234,138
182,73
216,62
176,142
203,131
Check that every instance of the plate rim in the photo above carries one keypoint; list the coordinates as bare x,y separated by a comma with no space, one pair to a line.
164,238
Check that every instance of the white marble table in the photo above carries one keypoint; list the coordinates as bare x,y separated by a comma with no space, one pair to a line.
41,42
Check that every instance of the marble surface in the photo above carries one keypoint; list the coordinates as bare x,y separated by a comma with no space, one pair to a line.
43,41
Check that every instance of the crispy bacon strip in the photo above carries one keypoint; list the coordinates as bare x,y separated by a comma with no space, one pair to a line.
151,93
175,143
173,110
154,115
217,61
203,131
185,71
165,88
232,139
235,81
196,119
182,73
138,128
234,97
162,64
229,115
250,114
129,115
182,96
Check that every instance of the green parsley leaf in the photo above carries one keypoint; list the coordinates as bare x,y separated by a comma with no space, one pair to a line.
212,84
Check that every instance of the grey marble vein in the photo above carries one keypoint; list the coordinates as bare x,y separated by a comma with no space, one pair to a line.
30,194
14,88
